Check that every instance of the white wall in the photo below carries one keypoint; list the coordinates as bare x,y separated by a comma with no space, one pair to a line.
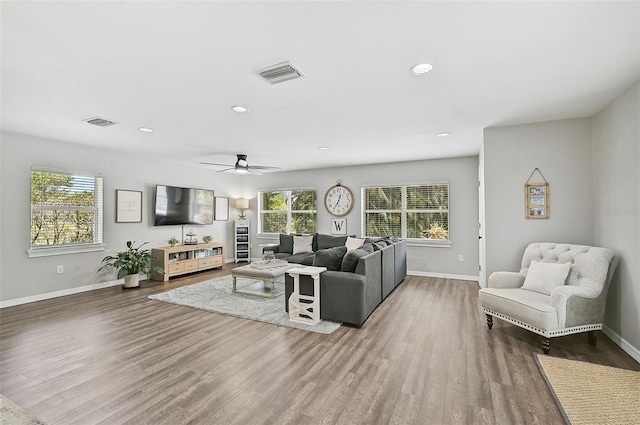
562,152
616,189
22,277
462,174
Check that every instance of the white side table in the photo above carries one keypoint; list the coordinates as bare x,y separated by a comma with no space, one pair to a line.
305,308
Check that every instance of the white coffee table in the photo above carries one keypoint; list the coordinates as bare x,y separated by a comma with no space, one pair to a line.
305,308
267,273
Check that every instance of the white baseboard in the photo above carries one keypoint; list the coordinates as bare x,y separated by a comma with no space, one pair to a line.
56,294
622,343
443,275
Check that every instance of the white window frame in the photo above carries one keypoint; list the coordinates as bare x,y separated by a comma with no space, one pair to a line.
289,210
403,211
98,209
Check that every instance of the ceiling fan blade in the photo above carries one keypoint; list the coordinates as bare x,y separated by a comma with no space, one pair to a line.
226,169
253,170
213,163
263,167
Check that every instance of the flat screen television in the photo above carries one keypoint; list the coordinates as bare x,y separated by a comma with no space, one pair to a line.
182,205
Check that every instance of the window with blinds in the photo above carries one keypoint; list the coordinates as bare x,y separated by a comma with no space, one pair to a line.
411,211
66,208
288,211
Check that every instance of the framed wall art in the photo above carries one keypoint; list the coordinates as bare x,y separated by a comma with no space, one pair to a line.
536,198
128,206
221,209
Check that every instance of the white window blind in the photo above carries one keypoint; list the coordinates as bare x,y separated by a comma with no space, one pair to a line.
410,211
66,209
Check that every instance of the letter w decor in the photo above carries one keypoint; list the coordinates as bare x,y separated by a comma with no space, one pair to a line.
338,226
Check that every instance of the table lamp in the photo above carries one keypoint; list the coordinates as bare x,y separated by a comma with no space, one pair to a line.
242,204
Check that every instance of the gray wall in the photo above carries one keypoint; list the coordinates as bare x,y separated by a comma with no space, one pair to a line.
616,190
462,174
22,277
25,278
562,152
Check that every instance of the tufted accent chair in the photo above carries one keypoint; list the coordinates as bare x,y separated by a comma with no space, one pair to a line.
576,306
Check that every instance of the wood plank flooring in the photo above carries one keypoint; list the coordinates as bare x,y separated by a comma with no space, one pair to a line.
425,356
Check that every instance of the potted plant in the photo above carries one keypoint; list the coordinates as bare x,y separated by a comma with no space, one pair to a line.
173,241
207,238
131,263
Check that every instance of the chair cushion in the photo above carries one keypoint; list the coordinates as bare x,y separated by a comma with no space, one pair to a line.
545,277
529,307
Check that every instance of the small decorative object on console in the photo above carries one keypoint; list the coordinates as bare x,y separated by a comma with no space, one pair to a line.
172,241
191,239
207,238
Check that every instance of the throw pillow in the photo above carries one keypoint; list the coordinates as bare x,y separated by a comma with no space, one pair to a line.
302,244
329,241
545,277
286,243
353,243
331,258
351,258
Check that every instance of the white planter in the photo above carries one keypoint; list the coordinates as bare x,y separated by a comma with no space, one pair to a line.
132,280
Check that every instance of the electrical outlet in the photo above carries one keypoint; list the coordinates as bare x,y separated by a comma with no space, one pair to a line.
460,257
60,269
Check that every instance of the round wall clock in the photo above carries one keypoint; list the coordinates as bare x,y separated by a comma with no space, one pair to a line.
339,200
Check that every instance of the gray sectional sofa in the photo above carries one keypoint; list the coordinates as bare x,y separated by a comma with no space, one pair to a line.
355,282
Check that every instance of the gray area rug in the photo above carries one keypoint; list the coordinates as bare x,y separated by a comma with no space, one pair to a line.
215,295
12,414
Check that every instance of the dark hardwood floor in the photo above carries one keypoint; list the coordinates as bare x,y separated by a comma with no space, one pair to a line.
425,356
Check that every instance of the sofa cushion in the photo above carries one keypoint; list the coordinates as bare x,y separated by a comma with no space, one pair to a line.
304,258
544,277
353,243
331,258
377,246
329,241
286,243
302,244
351,258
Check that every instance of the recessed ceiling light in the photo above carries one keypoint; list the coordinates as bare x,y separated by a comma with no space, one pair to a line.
239,109
146,129
323,148
421,68
444,134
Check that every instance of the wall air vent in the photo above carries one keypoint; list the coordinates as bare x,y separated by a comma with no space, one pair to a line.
280,72
100,122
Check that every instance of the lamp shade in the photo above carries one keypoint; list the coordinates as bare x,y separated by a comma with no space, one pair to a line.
242,204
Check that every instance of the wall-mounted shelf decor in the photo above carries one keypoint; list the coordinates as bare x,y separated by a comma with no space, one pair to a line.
128,206
536,198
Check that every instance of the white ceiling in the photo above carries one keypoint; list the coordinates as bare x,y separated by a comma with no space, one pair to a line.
178,67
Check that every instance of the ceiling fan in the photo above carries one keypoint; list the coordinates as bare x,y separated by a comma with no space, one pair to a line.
242,166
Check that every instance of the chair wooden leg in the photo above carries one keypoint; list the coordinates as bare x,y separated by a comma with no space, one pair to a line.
546,345
592,337
490,321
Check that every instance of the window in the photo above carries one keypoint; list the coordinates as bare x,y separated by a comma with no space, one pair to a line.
66,210
288,211
412,211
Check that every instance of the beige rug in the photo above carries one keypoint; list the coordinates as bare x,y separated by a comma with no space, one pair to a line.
12,414
592,394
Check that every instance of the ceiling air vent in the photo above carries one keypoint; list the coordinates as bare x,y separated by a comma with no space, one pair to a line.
100,122
280,72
